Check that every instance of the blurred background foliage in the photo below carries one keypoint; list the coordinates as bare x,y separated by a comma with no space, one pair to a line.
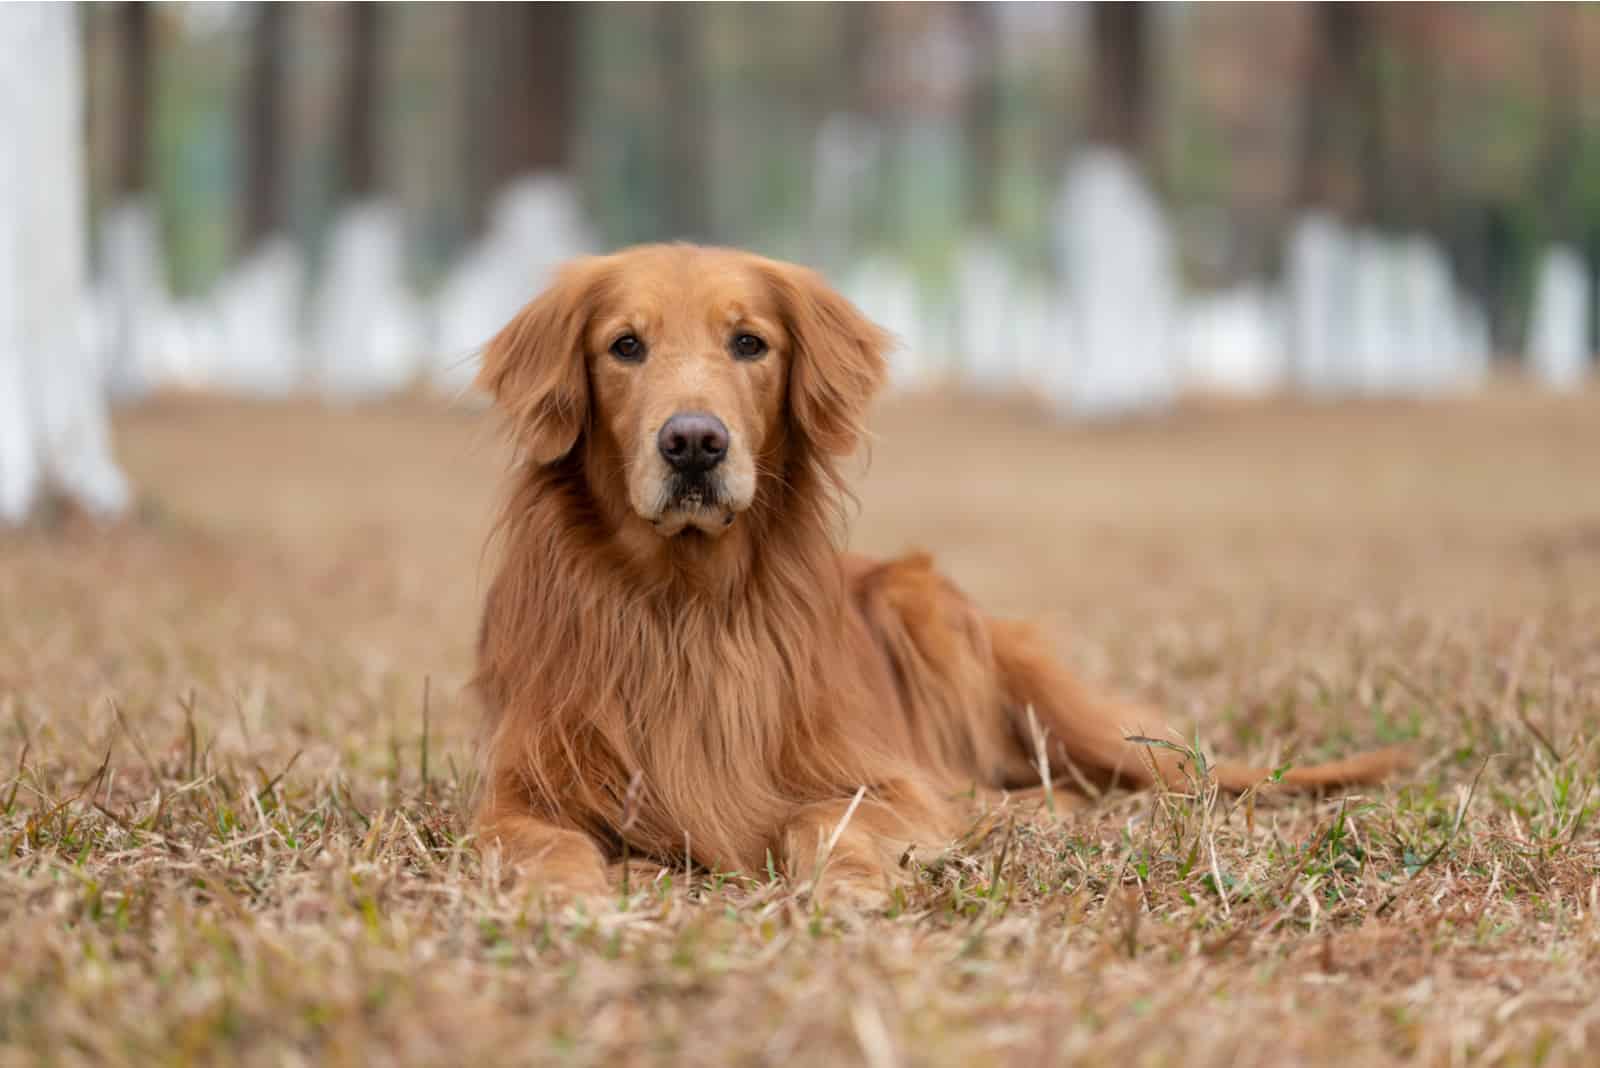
1470,124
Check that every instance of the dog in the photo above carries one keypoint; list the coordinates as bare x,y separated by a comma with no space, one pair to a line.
677,661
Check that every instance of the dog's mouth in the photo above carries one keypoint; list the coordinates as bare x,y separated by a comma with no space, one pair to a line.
694,503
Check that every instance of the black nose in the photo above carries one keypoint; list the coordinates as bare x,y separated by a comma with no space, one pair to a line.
693,442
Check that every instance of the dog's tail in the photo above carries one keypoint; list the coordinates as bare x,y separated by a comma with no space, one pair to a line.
1372,766
1106,742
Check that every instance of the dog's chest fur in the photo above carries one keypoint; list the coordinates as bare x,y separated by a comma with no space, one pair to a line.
669,719
712,719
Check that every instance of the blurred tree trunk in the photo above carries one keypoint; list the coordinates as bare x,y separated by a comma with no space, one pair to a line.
132,265
1123,304
1562,127
1377,201
1340,121
539,52
1119,95
981,114
1557,173
54,432
521,97
856,27
478,41
1418,197
263,127
685,122
133,123
358,111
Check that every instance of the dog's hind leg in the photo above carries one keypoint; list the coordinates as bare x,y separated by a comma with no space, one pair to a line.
1085,736
852,847
1088,735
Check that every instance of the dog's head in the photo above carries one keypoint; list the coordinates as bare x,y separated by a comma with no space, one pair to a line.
688,375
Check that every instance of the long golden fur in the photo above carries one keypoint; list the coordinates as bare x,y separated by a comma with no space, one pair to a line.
688,663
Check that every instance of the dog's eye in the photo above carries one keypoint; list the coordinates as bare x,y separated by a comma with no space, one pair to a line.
748,346
628,349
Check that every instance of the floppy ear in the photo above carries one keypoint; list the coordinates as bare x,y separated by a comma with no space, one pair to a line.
837,363
534,367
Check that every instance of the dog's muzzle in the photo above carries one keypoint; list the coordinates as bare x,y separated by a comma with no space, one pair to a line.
693,445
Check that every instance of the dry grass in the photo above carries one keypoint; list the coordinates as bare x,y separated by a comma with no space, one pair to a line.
234,752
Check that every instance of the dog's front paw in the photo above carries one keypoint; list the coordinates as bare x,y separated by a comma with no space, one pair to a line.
858,892
534,858
590,879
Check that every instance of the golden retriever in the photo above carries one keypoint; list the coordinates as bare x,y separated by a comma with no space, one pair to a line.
675,655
